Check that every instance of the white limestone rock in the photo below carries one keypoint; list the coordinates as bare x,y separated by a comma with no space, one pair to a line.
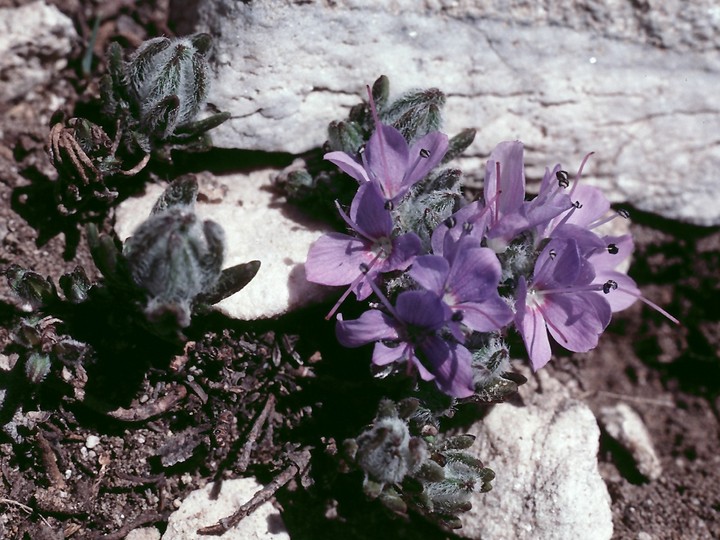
198,510
35,40
624,425
547,483
634,86
143,533
672,24
258,225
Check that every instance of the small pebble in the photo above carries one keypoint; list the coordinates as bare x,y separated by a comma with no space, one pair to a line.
92,441
624,425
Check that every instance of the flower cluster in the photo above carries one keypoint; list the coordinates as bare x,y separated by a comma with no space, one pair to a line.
538,264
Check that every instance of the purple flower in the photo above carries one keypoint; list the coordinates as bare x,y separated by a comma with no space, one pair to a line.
505,193
605,262
341,259
561,300
466,278
590,210
620,289
409,334
551,200
390,163
506,214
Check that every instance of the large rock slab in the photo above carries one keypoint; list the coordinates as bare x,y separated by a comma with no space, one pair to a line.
633,84
258,225
545,457
673,24
35,40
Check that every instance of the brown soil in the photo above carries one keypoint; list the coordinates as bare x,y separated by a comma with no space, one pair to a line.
56,483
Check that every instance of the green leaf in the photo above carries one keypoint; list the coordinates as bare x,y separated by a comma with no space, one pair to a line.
231,280
31,287
459,143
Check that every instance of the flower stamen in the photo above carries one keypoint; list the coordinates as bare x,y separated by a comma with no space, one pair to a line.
364,269
578,175
563,178
620,213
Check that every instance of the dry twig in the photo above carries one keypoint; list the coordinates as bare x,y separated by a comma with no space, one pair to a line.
25,508
49,460
252,437
300,461
154,408
142,519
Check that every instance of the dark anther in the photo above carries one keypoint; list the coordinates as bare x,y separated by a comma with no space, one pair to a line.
389,206
450,222
467,227
624,213
457,316
552,253
577,204
612,249
424,153
563,179
364,268
609,285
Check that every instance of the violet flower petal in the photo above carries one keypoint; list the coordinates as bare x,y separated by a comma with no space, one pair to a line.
588,242
561,264
603,310
507,228
487,316
368,211
404,250
604,260
335,259
594,205
386,159
435,146
451,366
551,201
541,215
474,274
348,165
573,320
472,214
384,354
373,325
425,373
511,184
422,309
430,272
626,293
549,180
532,328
